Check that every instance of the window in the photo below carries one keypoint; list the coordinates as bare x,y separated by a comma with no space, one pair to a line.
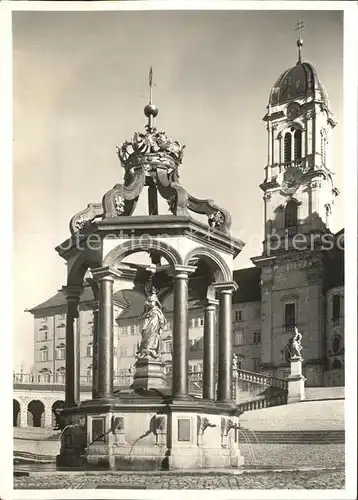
123,352
44,354
44,334
290,316
45,375
238,315
257,338
336,344
291,214
298,144
201,321
257,364
89,350
336,307
60,375
287,147
239,337
133,329
60,351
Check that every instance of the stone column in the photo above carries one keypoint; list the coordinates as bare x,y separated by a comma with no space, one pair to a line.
180,332
105,278
209,349
23,413
224,393
72,380
95,352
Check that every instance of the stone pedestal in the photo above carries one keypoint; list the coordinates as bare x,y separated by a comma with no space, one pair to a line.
296,382
149,374
135,433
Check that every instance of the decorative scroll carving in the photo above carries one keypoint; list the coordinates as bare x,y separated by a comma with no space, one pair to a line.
122,198
218,217
85,217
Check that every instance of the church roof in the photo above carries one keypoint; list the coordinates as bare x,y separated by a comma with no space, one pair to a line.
298,82
59,300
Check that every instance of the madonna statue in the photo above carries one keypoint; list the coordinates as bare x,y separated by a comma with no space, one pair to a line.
152,323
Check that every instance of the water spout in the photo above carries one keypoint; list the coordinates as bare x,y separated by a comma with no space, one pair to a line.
241,430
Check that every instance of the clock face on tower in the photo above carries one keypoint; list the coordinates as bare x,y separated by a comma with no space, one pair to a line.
293,110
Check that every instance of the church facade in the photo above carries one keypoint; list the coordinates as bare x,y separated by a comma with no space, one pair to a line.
297,280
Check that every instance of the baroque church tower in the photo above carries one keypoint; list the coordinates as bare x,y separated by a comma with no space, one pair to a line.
298,198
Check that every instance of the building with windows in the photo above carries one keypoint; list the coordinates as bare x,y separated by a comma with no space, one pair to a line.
297,279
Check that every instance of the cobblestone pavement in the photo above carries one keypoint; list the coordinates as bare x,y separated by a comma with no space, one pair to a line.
294,455
312,479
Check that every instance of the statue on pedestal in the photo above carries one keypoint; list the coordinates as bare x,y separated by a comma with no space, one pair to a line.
152,324
294,346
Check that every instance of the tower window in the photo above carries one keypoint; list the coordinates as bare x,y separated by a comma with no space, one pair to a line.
287,147
290,316
291,214
298,144
336,308
336,344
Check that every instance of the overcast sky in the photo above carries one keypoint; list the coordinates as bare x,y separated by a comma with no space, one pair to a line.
80,85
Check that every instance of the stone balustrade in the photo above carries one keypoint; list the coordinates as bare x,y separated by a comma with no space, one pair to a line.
259,378
50,379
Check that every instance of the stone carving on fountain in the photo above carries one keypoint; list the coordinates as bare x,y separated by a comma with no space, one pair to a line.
85,217
151,159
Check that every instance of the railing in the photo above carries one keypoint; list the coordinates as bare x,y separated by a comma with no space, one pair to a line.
259,378
257,404
48,378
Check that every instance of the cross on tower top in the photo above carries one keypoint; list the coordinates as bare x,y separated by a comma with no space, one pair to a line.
299,27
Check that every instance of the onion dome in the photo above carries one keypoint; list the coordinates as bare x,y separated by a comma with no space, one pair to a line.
300,81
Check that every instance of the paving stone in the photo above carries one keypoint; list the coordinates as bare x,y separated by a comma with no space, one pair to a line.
313,479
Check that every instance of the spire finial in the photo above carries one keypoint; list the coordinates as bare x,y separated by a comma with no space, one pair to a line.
150,110
150,84
299,27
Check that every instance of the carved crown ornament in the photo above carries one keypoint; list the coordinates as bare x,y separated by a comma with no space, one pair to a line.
150,159
152,147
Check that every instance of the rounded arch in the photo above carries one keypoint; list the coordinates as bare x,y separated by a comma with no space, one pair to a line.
55,410
36,413
16,413
137,245
80,265
222,272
